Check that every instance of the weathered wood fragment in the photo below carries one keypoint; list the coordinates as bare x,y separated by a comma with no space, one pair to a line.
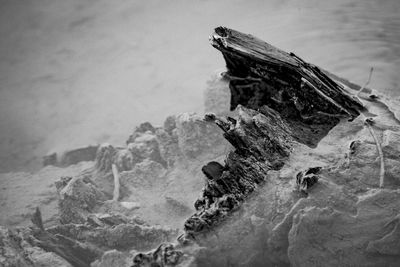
262,143
261,74
75,252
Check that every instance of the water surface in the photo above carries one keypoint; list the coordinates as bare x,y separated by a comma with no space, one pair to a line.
74,72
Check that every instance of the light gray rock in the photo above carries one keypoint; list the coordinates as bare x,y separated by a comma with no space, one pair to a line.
113,258
15,250
329,237
196,137
77,198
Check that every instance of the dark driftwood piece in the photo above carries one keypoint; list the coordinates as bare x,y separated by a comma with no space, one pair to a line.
282,99
76,253
308,100
262,142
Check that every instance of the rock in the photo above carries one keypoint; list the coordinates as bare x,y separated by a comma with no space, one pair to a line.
169,147
325,236
23,192
164,255
130,236
389,244
112,219
363,158
125,160
40,258
168,141
196,137
77,198
59,246
307,179
391,144
170,124
141,129
105,232
113,258
145,146
143,175
16,251
324,194
105,157
183,138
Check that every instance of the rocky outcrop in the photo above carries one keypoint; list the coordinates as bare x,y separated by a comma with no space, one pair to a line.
182,138
113,231
15,250
113,258
334,237
146,146
74,244
77,198
164,255
306,179
23,192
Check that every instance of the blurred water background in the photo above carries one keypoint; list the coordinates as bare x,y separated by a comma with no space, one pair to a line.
79,72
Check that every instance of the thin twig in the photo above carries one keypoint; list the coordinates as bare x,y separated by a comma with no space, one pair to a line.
369,122
380,152
116,183
366,84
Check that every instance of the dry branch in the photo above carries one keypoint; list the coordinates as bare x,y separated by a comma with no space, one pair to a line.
116,183
369,122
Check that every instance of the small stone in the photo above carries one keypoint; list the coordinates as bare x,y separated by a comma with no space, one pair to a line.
130,205
305,180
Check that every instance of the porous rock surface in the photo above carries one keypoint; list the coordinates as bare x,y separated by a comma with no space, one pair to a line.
90,229
15,251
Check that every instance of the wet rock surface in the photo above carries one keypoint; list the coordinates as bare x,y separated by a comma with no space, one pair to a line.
77,198
164,255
